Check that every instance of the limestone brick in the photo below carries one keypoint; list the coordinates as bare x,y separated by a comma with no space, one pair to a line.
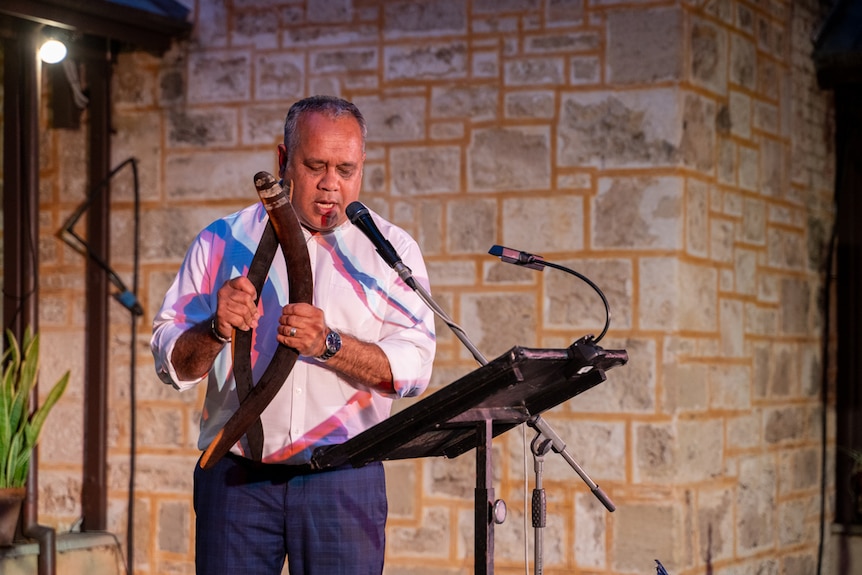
279,76
395,119
401,480
254,28
744,431
214,127
262,125
708,63
533,104
786,249
696,218
732,324
139,136
585,70
798,471
722,235
132,85
344,60
219,77
739,106
755,502
499,273
632,129
429,223
726,161
500,321
715,524
330,12
590,532
478,103
637,213
408,19
485,64
471,225
571,304
212,27
643,532
644,45
564,12
315,34
426,61
173,526
683,388
425,170
509,159
783,424
452,273
494,6
730,387
697,146
430,538
743,62
599,447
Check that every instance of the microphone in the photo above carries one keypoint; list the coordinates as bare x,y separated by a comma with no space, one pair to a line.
518,258
361,218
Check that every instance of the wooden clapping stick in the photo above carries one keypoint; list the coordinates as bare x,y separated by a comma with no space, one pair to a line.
255,398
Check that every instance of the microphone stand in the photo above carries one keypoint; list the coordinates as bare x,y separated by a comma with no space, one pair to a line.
542,427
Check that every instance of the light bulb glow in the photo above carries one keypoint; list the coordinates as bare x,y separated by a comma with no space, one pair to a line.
52,51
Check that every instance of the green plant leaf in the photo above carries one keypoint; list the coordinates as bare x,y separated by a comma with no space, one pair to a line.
12,459
20,429
37,420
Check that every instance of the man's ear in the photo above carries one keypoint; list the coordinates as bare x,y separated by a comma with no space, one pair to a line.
282,160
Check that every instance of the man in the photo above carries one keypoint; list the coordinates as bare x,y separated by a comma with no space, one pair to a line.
366,339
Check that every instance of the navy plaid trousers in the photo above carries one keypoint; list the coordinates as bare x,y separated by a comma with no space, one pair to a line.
250,516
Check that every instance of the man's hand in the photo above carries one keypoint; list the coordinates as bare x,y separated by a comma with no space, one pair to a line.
303,327
236,306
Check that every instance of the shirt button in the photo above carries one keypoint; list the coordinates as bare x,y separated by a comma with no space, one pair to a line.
298,391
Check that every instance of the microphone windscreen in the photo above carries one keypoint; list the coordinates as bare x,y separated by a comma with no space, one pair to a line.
355,210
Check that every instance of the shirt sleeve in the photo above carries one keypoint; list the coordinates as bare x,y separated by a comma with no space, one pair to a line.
410,348
190,300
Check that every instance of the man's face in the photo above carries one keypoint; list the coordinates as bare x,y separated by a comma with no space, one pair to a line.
326,169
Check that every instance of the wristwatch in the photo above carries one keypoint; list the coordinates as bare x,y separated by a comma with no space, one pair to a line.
333,345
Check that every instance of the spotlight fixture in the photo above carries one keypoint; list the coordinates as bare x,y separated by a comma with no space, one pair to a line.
52,51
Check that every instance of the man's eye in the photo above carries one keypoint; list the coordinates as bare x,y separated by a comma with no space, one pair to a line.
345,172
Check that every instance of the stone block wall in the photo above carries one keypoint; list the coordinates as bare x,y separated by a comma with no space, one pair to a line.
677,153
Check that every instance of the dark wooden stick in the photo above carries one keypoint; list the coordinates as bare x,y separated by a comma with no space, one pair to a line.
299,279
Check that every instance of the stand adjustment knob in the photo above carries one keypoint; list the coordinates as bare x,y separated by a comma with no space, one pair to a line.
499,511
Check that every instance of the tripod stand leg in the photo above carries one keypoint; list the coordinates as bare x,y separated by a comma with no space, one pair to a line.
484,502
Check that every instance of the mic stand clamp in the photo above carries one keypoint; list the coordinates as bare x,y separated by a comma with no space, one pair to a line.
559,446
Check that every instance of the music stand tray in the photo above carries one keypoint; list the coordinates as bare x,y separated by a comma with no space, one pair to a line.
507,391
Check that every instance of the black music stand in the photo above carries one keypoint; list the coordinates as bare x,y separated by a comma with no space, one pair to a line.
510,390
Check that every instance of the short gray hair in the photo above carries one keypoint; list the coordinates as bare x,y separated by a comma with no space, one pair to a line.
330,105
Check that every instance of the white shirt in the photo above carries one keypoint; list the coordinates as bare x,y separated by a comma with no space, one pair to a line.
359,294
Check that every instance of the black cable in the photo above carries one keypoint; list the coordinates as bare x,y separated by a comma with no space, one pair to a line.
133,419
590,283
128,299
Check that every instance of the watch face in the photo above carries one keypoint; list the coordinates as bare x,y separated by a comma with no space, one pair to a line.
333,345
333,342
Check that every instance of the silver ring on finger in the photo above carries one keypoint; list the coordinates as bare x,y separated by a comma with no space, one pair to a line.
292,332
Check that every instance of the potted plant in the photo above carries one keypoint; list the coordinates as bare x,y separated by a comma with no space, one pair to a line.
19,428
